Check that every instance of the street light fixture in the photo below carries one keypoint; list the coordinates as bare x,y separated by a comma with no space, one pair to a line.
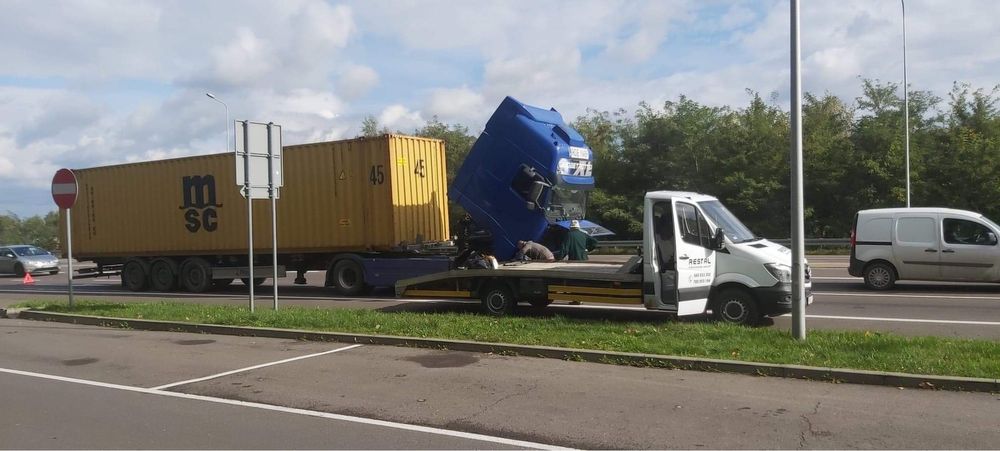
213,97
906,108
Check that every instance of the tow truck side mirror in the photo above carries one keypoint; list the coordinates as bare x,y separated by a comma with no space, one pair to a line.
718,240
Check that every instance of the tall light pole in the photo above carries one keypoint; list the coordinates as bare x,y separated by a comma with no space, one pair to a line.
213,97
906,108
798,227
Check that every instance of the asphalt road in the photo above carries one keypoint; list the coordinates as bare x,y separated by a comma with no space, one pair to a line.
70,386
841,301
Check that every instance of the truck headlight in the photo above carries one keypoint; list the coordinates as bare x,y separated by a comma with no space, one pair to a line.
781,272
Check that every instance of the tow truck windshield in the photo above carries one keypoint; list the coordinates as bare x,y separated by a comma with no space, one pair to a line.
730,224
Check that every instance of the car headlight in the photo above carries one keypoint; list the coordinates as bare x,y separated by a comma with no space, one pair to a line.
781,272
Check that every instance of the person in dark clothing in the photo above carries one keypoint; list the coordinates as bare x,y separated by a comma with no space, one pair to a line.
577,242
531,250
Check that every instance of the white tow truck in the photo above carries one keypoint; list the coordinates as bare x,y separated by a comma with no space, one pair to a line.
696,257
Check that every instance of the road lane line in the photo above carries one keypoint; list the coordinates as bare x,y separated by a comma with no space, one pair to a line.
922,296
835,278
263,365
904,320
311,413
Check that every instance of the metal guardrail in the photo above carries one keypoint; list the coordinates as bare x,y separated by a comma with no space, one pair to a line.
810,242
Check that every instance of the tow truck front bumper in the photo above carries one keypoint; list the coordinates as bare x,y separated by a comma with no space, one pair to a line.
777,300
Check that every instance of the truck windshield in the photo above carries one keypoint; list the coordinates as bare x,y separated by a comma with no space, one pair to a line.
730,224
566,203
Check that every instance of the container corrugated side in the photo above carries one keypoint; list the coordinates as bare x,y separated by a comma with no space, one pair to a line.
337,197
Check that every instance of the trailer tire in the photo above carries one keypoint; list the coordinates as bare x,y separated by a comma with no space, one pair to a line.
256,282
163,275
498,300
135,275
349,278
196,275
736,306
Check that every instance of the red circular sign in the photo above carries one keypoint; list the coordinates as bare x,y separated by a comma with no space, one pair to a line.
64,188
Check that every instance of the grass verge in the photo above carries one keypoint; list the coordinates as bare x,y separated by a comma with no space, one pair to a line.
875,351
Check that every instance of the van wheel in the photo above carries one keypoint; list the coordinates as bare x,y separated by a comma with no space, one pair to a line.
880,276
196,275
134,276
498,300
737,307
349,278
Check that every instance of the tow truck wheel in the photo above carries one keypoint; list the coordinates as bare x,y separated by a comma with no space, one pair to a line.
134,276
737,307
498,300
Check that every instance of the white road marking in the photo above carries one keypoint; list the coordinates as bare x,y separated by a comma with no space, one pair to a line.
904,320
263,365
903,295
311,413
835,278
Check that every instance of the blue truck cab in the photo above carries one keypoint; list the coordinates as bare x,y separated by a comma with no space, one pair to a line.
527,173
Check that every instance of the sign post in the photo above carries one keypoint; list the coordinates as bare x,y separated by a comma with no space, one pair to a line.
259,172
64,190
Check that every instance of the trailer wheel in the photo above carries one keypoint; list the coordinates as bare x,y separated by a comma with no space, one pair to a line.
349,278
135,276
258,281
196,275
498,300
163,275
736,306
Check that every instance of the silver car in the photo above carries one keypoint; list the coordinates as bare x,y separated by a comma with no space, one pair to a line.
18,259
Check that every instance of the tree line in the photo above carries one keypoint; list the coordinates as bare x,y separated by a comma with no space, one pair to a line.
853,156
37,230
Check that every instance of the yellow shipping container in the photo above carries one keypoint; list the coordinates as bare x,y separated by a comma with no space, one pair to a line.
366,194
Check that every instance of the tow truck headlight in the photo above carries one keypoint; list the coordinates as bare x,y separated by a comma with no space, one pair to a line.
781,272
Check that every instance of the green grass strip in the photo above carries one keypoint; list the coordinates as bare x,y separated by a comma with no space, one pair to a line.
875,351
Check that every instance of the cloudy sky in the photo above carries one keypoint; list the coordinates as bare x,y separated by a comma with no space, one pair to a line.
95,82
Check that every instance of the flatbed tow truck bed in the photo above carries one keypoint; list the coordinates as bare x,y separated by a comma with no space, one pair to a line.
535,282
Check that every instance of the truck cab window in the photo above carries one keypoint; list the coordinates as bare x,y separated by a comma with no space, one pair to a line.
566,203
531,186
693,227
961,231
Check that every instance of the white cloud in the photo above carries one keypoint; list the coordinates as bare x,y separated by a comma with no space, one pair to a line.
356,81
399,117
456,105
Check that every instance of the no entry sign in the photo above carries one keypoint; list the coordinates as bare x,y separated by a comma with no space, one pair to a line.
64,188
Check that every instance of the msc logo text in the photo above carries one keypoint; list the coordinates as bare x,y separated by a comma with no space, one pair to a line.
199,203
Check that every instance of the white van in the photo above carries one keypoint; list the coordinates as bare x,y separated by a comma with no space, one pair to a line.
944,244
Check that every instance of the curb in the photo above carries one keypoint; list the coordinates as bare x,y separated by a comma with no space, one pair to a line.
836,375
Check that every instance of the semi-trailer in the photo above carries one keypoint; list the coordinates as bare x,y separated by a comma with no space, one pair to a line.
367,211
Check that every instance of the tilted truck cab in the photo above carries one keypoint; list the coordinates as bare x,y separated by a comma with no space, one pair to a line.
528,170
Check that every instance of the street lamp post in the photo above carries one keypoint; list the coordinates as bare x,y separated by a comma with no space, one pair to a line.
213,97
906,108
